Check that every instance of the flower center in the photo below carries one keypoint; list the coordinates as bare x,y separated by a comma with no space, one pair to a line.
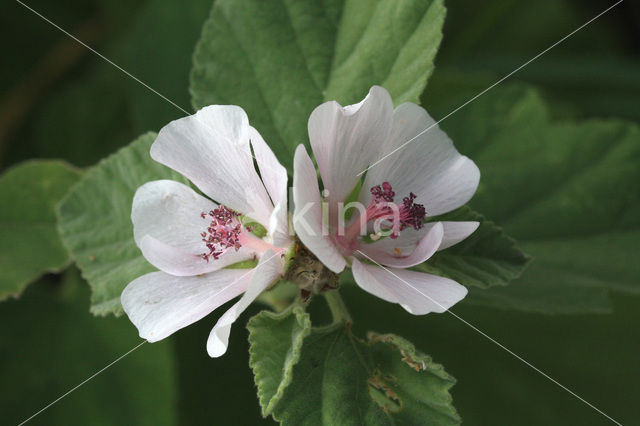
222,233
388,218
225,232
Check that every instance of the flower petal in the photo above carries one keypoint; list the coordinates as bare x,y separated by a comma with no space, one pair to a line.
181,263
167,226
428,166
408,239
274,177
346,139
307,216
454,232
427,246
159,304
417,292
211,148
170,212
267,270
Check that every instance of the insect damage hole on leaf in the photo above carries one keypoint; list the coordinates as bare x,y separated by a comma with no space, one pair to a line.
381,391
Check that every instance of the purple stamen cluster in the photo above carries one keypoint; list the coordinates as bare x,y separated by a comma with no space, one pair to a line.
412,214
222,233
383,192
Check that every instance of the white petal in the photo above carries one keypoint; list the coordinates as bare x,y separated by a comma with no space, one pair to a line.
267,270
167,226
428,166
159,304
307,216
274,177
170,212
408,239
427,246
211,148
417,292
345,140
454,232
179,262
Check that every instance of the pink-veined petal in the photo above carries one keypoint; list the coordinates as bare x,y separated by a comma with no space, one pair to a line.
454,232
417,292
169,211
179,262
159,304
408,239
425,248
346,139
428,166
267,270
211,148
167,227
274,177
307,217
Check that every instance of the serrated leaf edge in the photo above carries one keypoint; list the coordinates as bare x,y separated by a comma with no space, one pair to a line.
417,361
293,355
105,307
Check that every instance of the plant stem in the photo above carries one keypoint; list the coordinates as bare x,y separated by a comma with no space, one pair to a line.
338,309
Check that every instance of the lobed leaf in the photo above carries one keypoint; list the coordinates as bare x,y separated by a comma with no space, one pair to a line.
340,379
29,242
276,342
50,344
279,60
569,192
486,258
95,222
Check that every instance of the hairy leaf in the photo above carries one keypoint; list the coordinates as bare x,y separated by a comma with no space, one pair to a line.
569,192
95,222
50,343
279,60
341,379
276,343
486,258
29,241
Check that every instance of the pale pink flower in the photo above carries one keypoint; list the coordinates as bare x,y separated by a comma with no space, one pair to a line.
427,177
191,239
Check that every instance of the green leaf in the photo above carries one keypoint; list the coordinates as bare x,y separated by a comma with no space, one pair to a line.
340,379
279,60
276,342
166,31
136,37
569,192
50,343
488,257
493,37
95,222
493,387
222,389
30,245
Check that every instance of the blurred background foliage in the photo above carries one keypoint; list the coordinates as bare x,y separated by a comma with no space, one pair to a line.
59,100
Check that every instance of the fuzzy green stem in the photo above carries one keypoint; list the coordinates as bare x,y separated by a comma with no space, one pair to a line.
288,258
338,309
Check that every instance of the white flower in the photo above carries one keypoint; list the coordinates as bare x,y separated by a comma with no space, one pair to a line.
428,174
190,239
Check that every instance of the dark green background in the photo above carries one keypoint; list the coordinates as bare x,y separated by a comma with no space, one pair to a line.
58,100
